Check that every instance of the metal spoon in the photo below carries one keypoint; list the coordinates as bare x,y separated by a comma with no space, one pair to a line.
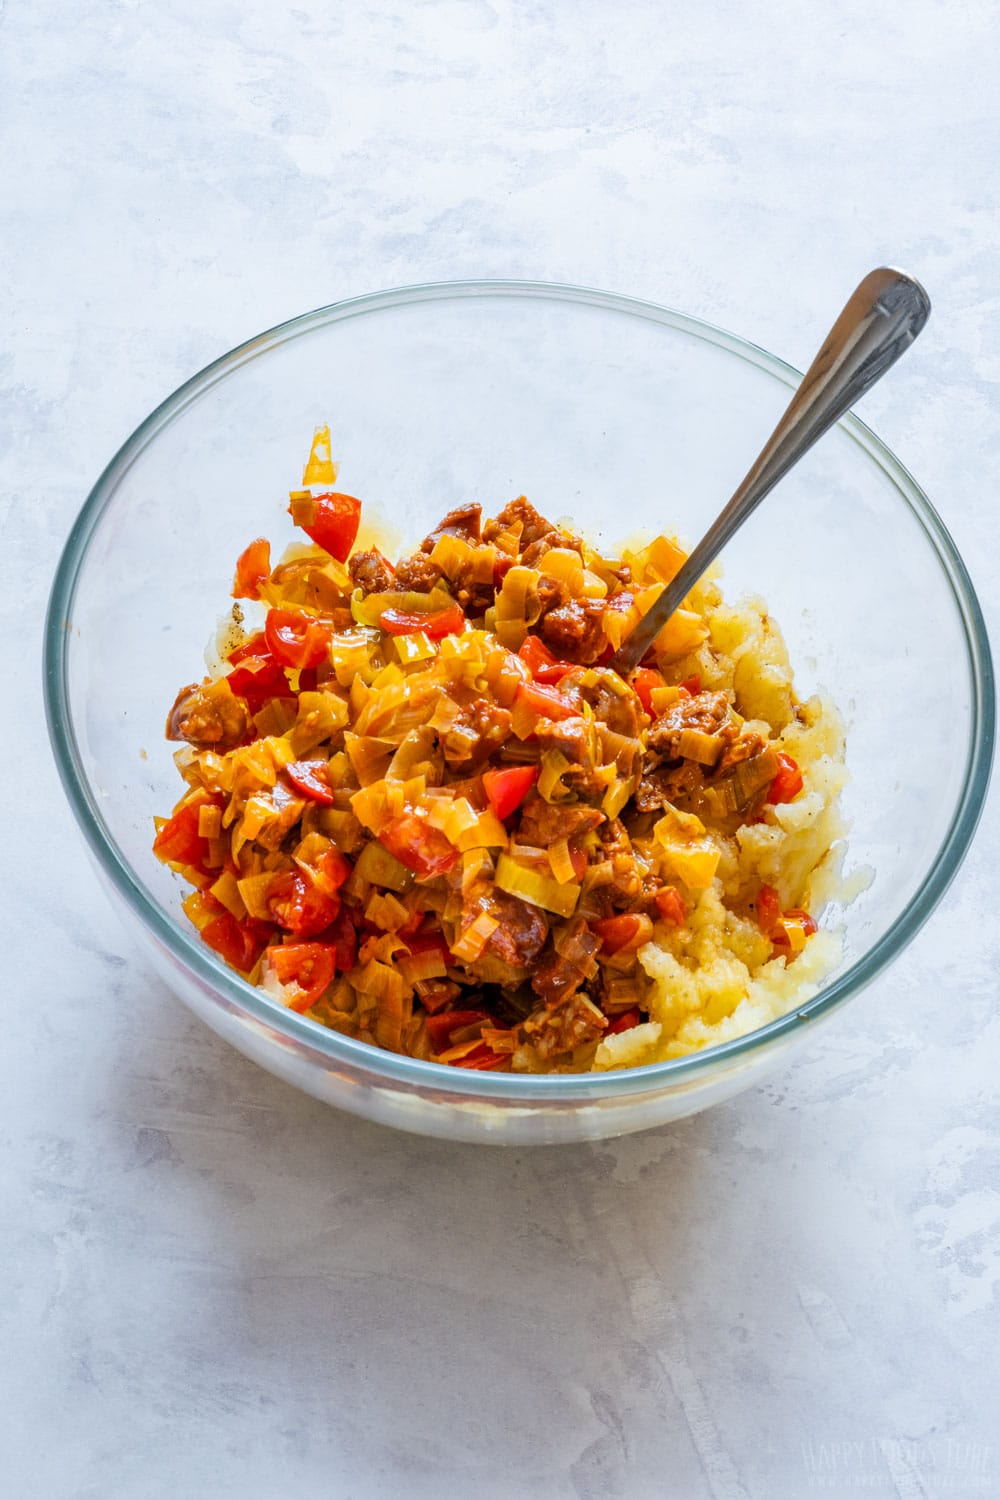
879,323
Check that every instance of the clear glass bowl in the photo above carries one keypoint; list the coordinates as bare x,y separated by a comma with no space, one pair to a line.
620,415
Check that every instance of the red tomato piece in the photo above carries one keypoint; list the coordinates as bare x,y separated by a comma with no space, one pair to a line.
692,684
796,913
299,904
307,966
540,662
342,939
768,909
334,523
239,943
296,639
671,905
431,941
625,1021
438,623
179,840
645,681
482,1059
787,783
253,567
506,789
418,846
618,932
256,676
546,702
441,1028
310,779
332,869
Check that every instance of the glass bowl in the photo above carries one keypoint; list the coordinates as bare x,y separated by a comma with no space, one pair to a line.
621,415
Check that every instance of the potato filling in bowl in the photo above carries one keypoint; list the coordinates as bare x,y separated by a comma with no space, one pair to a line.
423,809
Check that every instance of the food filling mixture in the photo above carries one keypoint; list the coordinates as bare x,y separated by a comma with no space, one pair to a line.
424,810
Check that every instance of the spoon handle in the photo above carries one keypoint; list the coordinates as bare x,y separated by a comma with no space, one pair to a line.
879,322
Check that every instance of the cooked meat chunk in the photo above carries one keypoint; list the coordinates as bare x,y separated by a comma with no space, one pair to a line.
561,973
668,783
612,700
749,743
371,572
532,556
576,1021
522,932
705,713
520,510
569,736
542,824
463,521
417,573
480,728
208,716
575,631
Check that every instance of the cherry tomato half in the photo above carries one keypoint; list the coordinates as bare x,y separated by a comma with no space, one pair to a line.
296,639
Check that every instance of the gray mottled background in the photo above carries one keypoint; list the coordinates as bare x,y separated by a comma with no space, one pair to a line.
214,1288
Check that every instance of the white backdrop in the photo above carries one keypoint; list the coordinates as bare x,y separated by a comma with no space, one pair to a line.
212,1287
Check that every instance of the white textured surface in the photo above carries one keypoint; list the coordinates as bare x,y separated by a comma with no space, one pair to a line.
212,1286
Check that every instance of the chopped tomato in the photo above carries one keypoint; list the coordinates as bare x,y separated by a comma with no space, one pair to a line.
307,966
309,777
431,941
671,905
787,783
239,943
692,684
296,639
437,623
253,567
625,1021
441,1028
507,789
332,869
546,702
256,676
540,662
342,940
179,840
768,909
618,932
331,521
418,846
645,682
299,904
482,1058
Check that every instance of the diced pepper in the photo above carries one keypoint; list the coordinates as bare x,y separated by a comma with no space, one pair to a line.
253,567
506,789
309,967
310,779
423,849
296,639
331,520
787,783
440,623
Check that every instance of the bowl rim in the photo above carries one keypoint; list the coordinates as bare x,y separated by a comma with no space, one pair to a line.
331,1046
